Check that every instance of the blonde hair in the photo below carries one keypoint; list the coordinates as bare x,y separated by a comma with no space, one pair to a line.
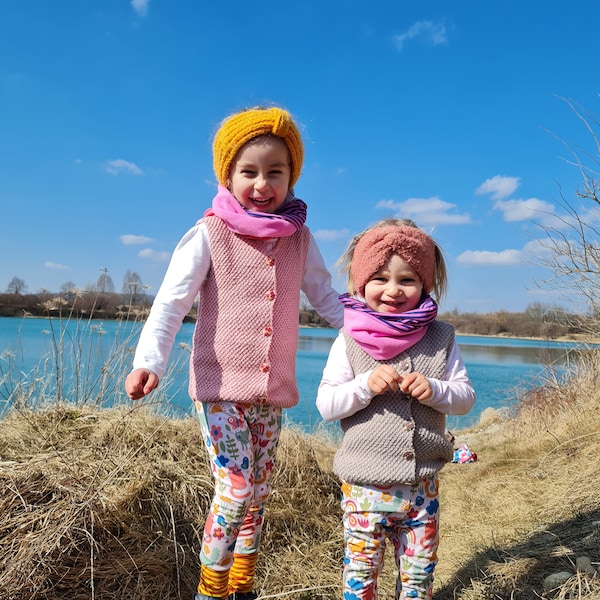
439,286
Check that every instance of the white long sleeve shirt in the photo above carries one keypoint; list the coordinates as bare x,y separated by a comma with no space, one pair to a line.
189,266
341,394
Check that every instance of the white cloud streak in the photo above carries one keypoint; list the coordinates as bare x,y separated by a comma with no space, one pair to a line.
428,31
55,266
499,186
114,167
140,7
481,258
425,211
154,255
526,210
135,240
331,235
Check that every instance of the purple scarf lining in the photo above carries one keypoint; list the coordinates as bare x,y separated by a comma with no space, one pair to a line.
289,218
383,335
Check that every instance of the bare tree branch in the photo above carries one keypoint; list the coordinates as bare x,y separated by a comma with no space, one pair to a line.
569,247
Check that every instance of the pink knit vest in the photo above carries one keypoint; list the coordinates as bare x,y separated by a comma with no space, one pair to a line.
245,339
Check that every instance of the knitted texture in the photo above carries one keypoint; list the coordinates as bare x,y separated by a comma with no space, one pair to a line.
376,246
396,439
245,339
239,129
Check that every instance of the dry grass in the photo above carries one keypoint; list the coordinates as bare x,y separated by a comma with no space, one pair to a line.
99,504
109,504
531,504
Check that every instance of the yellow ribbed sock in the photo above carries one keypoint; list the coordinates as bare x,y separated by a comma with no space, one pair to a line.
213,583
241,574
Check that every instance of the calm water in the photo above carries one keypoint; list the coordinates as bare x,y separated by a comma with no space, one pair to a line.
498,367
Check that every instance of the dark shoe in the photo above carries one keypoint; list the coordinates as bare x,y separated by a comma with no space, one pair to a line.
199,596
243,596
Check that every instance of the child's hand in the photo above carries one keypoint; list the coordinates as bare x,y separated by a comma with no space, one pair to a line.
417,386
140,382
383,378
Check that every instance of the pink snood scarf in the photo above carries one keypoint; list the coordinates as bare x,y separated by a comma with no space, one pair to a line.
384,336
290,217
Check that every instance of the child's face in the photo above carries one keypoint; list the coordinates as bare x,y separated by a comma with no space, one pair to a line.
394,289
260,174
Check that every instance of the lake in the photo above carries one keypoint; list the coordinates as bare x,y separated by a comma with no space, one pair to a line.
99,352
499,369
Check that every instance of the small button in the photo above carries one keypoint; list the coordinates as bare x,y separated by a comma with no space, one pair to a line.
270,261
267,331
409,425
270,295
264,367
262,399
409,455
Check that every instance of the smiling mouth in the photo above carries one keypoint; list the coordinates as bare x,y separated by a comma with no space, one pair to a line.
395,304
260,201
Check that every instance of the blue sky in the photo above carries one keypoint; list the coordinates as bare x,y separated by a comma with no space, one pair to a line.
450,113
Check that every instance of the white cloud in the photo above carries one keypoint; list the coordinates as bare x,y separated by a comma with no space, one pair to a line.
425,211
330,235
526,210
569,224
154,256
590,215
483,258
540,250
135,240
433,33
140,7
499,186
114,167
55,266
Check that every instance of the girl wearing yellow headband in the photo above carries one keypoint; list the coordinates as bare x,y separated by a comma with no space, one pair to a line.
247,260
392,375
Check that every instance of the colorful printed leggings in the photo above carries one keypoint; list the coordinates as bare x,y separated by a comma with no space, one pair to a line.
413,532
242,443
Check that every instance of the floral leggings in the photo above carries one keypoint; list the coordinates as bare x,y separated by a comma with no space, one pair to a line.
242,443
412,527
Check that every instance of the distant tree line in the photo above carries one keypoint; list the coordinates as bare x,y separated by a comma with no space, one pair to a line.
133,287
96,300
537,321
88,305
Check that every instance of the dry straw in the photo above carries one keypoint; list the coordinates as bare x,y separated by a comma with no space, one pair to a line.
108,503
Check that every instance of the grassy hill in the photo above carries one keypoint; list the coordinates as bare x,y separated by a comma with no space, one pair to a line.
109,504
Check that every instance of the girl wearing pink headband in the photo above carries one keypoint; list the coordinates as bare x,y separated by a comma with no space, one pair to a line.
392,375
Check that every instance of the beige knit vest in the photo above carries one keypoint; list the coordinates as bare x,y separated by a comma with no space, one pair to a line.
396,439
245,339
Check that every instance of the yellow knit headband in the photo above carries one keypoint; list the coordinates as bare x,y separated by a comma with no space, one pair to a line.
239,129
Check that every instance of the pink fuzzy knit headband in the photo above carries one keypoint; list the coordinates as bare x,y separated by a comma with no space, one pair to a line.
376,246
